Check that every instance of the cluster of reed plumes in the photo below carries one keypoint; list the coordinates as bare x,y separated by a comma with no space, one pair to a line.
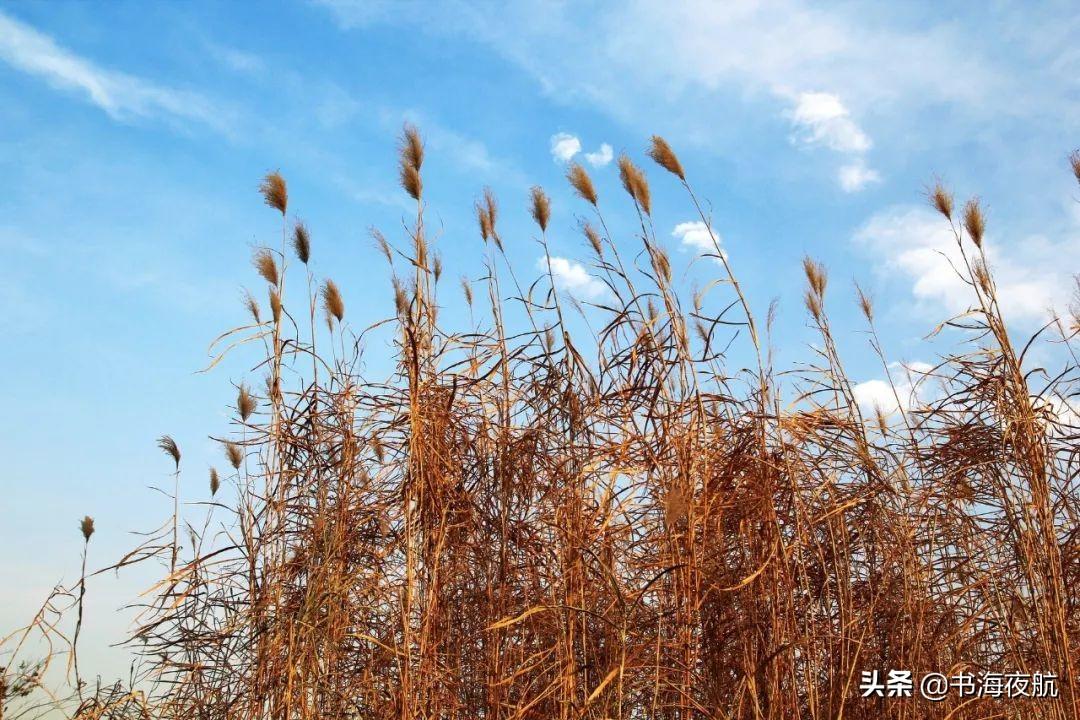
525,524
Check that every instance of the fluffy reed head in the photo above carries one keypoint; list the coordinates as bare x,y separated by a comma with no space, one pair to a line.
332,302
816,279
274,192
1074,162
410,180
401,298
941,199
594,238
437,267
582,183
301,242
245,402
412,146
663,265
483,221
252,307
540,207
665,157
169,447
86,527
866,303
383,245
635,184
234,454
411,159
974,221
265,264
215,482
466,290
275,304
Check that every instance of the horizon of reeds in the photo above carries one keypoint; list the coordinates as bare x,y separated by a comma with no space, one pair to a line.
524,524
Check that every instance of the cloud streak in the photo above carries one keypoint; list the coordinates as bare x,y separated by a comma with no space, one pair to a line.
573,278
121,96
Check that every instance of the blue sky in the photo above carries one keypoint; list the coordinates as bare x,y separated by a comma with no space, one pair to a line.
133,136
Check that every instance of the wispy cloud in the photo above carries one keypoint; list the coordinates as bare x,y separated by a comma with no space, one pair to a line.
821,119
856,176
695,235
122,96
572,277
915,244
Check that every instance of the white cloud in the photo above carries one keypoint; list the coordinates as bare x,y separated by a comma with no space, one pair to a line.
572,277
907,390
564,147
915,244
821,119
120,95
601,157
695,235
856,176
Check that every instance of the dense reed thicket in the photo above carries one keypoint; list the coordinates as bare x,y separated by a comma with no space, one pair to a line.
524,523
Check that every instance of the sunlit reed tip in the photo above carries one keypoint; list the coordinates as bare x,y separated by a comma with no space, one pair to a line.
665,157
540,207
582,183
86,527
332,302
169,447
274,191
301,242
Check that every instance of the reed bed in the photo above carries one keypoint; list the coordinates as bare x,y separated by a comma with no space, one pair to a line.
526,522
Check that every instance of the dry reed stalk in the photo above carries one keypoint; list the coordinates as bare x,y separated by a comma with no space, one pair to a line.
521,524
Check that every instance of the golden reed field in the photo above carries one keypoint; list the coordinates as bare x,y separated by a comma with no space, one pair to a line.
525,522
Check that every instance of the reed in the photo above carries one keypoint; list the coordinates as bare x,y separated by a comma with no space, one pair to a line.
532,523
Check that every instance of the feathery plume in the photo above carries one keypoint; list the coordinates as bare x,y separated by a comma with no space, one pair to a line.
332,302
215,482
635,184
866,303
234,454
942,200
466,289
401,298
245,402
412,158
437,267
816,276
384,246
663,264
582,183
86,527
491,204
168,445
665,157
265,264
594,238
301,241
974,222
274,191
483,220
252,307
412,146
1074,162
541,207
275,305
410,180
